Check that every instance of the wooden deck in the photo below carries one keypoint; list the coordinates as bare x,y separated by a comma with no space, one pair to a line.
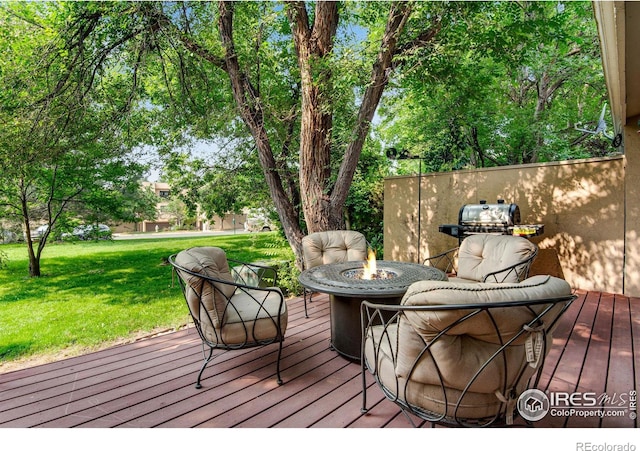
150,383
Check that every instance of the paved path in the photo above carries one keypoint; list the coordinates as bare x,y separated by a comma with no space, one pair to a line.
176,234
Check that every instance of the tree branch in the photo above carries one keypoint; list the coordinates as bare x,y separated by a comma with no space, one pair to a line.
160,20
421,40
251,112
398,16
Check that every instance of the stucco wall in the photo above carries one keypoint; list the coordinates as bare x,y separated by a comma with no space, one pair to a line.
581,204
632,207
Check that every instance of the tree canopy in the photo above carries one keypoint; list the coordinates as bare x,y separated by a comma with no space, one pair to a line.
506,86
301,99
65,143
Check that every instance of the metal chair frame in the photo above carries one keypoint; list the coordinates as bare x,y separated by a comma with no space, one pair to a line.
446,261
306,294
386,316
259,294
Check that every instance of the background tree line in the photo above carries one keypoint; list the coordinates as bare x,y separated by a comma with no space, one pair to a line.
297,101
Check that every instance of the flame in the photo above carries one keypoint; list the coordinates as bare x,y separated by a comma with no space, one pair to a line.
370,266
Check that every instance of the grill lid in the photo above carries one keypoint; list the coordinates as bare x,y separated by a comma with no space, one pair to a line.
501,214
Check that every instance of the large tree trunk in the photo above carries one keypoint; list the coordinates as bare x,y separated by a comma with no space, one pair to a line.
313,44
323,209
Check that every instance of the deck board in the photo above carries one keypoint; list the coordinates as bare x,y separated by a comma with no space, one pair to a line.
150,383
592,376
620,376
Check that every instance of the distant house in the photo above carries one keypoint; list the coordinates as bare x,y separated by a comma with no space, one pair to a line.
166,220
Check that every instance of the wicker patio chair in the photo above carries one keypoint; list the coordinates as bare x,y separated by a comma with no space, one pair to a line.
487,258
461,354
335,246
231,308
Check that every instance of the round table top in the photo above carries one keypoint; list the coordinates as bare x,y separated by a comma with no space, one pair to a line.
331,278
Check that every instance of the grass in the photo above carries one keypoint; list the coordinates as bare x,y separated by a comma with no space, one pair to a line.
92,293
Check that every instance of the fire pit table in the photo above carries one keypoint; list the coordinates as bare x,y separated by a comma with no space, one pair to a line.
347,289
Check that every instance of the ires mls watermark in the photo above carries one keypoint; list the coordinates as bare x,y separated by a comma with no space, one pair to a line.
534,404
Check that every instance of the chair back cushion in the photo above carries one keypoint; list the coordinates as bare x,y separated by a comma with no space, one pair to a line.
200,294
482,254
335,246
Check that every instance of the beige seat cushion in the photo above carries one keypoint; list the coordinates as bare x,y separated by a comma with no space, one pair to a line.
336,246
428,397
247,322
482,254
228,315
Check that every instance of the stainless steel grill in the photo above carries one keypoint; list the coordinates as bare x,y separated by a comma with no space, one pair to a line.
497,219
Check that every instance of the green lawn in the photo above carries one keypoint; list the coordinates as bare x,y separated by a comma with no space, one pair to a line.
93,293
